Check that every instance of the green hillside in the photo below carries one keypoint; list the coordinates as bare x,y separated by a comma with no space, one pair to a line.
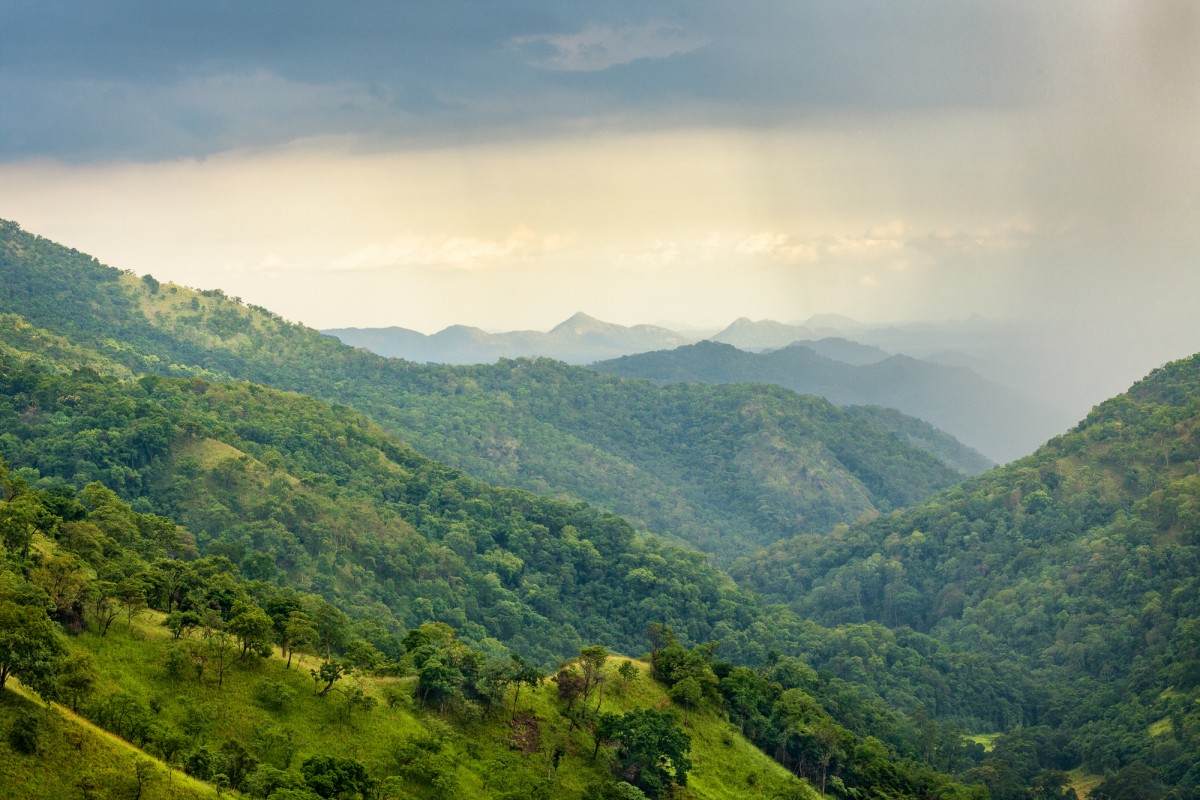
921,434
998,422
1078,564
321,510
290,489
177,676
1031,630
725,469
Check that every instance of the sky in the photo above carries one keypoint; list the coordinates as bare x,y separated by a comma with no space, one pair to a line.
508,164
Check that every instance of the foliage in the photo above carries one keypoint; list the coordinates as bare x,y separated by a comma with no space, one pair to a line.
998,421
1074,570
652,750
721,467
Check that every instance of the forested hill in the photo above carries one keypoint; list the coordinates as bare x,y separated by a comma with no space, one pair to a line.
1080,563
998,422
722,468
1051,604
252,502
951,451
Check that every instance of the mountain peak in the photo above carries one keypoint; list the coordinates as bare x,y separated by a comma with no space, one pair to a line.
580,322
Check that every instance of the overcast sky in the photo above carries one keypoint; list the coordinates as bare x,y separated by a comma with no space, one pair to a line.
507,164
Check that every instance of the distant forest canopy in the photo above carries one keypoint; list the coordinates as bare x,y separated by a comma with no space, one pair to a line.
996,421
726,469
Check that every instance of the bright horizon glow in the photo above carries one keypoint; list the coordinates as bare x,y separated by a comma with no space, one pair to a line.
504,167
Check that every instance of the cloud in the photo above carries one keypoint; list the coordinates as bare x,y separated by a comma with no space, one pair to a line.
448,251
780,247
196,114
598,47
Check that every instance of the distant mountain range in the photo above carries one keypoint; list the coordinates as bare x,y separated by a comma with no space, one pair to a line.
998,422
583,339
724,468
578,340
944,388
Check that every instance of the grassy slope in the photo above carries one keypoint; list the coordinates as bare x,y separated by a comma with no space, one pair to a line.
70,748
477,754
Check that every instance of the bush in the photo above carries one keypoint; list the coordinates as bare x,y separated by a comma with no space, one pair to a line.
25,733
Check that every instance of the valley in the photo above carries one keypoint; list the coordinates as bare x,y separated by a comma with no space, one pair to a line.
814,600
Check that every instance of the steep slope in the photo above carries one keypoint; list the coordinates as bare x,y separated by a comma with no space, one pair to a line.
725,469
1080,564
921,434
290,489
981,414
281,488
171,684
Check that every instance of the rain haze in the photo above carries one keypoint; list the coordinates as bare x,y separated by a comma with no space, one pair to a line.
505,165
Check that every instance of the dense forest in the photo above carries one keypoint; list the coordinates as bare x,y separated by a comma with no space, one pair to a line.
321,535
1079,564
1030,633
997,421
211,683
725,469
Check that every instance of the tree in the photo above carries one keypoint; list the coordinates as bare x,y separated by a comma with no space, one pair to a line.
235,762
252,627
143,774
330,672
330,624
438,680
63,579
218,651
298,633
76,678
651,749
592,659
570,685
20,518
688,694
660,636
29,647
523,673
104,605
131,593
332,777
179,623
1135,781
25,735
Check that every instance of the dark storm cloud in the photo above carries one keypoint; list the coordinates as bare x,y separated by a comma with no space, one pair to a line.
147,80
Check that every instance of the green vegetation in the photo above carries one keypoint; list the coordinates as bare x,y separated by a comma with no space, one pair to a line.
172,710
1076,566
279,597
999,422
313,504
725,469
923,435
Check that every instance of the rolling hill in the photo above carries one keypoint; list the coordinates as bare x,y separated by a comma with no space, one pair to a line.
1077,563
725,469
983,415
